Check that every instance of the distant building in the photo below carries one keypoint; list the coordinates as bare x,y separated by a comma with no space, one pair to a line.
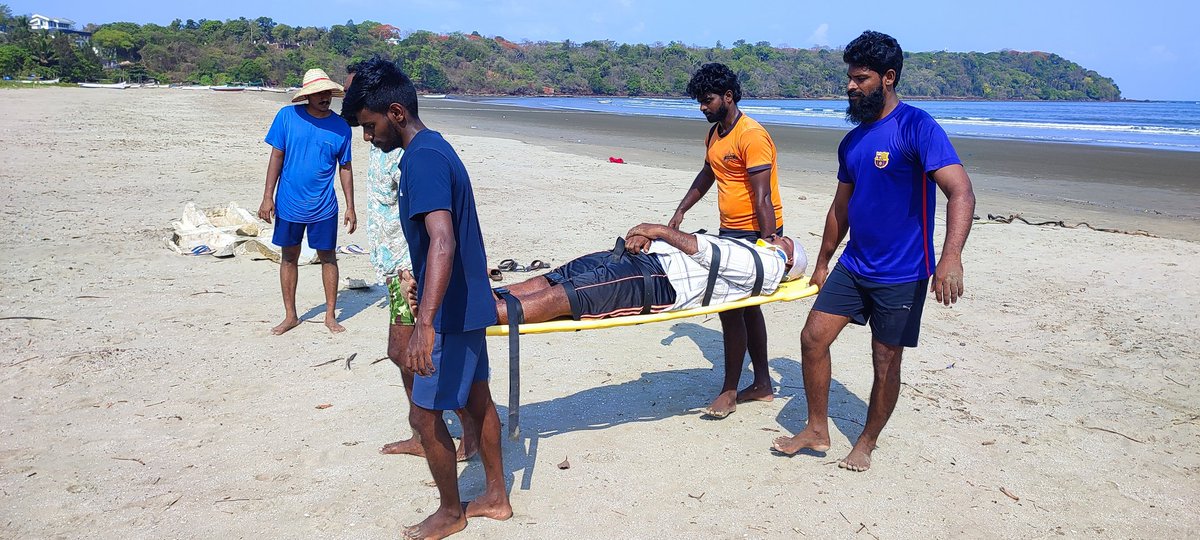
65,26
42,22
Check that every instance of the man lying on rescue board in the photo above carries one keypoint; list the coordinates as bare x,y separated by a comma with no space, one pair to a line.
653,269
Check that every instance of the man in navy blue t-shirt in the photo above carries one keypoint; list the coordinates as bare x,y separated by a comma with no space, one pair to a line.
310,144
888,168
455,305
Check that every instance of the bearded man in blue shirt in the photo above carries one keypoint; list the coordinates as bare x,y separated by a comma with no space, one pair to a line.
888,167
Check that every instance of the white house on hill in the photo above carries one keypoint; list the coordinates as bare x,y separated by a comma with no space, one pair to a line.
42,22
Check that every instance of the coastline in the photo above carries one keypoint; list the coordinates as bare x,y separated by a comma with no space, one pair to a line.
144,397
1108,187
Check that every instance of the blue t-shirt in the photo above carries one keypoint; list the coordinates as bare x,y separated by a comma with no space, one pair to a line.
313,148
432,177
891,210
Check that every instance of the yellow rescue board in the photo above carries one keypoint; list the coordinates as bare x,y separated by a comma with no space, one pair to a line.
792,290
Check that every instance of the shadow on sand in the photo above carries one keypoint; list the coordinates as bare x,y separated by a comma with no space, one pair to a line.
653,396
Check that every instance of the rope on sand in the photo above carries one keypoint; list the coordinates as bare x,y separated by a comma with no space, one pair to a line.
1017,217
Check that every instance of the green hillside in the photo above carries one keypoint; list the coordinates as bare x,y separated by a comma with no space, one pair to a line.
262,51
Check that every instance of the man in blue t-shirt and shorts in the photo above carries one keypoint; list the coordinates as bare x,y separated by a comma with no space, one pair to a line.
310,144
887,169
447,352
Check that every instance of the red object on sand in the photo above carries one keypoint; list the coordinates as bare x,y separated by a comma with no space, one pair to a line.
615,160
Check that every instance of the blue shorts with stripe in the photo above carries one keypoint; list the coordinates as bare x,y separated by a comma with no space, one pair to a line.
600,285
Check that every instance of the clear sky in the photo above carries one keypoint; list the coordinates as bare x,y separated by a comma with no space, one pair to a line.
1142,45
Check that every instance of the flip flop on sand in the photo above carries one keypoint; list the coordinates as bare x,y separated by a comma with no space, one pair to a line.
495,274
538,264
352,249
201,250
509,265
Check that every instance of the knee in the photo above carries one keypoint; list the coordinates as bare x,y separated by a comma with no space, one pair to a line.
290,255
327,257
420,419
811,341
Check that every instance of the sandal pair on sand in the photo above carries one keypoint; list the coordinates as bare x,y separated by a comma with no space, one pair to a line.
510,265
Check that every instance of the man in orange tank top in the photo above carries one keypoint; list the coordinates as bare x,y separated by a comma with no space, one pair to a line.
740,159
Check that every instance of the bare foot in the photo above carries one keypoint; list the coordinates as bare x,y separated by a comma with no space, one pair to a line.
859,458
284,326
808,438
756,392
411,446
490,506
438,525
333,326
723,406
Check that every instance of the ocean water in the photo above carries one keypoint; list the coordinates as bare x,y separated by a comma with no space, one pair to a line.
1163,125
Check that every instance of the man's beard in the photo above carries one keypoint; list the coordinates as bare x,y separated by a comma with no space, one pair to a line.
717,116
866,108
393,140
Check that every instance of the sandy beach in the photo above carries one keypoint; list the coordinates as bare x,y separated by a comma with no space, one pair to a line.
143,397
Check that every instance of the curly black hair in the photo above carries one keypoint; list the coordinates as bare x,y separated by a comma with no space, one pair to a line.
876,51
714,78
377,84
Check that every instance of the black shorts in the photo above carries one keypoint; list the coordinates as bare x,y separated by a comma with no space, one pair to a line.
601,286
893,309
749,236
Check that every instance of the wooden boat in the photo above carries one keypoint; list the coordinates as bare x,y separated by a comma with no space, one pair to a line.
228,88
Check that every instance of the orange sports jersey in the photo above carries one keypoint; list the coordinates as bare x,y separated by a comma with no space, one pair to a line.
747,148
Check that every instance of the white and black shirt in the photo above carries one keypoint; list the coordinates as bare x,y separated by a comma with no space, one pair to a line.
735,277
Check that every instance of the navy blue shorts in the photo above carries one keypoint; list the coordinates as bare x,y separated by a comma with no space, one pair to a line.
459,361
322,235
893,309
599,287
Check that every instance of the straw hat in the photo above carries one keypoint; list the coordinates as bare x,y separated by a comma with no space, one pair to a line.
315,82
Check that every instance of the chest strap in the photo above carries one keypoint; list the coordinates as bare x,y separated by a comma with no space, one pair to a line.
714,270
758,268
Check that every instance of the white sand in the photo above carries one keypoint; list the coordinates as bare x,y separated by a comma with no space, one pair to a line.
156,405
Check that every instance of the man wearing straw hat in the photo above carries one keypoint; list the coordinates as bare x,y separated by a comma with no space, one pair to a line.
309,144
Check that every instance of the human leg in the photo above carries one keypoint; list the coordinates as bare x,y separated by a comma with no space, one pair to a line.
439,454
493,503
398,337
456,360
756,345
895,319
819,332
884,393
322,236
289,272
733,334
329,278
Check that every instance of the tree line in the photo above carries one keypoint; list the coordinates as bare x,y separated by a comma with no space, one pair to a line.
261,51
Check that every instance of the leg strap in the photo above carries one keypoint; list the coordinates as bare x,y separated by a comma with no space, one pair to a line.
516,315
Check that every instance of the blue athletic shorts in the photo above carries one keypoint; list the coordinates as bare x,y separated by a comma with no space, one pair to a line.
893,309
459,361
599,286
322,235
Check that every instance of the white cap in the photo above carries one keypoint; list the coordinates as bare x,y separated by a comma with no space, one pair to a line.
799,262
